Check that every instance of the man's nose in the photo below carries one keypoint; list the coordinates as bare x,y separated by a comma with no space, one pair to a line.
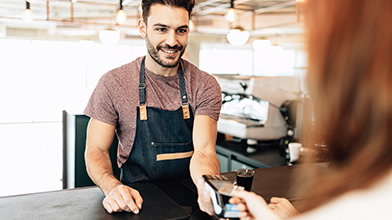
171,38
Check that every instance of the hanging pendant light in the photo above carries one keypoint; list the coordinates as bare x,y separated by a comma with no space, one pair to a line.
237,36
121,17
231,15
27,14
109,37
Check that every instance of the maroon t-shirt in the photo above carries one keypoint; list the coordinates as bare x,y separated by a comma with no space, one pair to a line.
116,98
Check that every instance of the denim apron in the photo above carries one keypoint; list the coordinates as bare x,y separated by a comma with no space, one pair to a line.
163,143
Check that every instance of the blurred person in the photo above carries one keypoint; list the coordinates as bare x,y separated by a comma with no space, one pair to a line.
162,108
349,78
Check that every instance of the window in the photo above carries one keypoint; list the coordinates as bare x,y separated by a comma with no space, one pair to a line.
250,60
39,79
226,59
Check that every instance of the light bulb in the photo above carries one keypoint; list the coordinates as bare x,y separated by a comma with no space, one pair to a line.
231,16
237,36
121,17
109,37
27,15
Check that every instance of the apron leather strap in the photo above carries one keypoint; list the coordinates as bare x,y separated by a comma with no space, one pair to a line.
142,92
184,95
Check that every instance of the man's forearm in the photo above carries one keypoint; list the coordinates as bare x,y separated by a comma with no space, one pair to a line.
100,170
204,163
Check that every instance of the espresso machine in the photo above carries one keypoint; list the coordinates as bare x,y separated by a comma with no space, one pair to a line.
260,109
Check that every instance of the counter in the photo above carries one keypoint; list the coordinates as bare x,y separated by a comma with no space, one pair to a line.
159,201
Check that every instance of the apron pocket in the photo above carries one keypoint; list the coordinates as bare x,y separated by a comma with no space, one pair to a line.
172,159
172,151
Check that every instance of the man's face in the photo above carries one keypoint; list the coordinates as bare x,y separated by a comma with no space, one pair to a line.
166,34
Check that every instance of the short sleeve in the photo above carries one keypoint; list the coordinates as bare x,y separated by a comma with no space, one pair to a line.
100,105
209,97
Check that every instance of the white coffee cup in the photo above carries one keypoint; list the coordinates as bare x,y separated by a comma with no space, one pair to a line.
294,151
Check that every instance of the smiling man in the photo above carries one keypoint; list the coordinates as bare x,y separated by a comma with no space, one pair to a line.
163,109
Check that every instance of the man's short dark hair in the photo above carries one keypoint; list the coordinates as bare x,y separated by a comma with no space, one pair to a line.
146,5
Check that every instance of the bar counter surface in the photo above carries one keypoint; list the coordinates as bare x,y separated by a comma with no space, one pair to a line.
159,201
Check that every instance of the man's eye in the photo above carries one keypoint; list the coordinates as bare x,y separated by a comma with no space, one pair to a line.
182,30
161,29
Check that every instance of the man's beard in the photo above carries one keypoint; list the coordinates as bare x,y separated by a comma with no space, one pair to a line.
154,53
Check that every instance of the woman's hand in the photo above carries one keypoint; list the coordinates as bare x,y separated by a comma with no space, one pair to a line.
252,206
282,207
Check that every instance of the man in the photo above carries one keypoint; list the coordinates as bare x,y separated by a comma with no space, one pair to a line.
163,109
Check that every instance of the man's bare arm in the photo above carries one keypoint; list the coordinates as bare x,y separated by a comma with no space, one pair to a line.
99,167
204,160
100,136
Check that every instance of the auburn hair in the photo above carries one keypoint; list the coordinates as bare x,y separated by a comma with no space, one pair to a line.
349,77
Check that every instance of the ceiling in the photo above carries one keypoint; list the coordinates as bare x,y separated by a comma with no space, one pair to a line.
262,18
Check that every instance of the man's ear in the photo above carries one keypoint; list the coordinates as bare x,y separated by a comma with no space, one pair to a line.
142,27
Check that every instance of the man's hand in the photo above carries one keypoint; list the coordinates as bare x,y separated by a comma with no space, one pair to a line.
123,198
204,199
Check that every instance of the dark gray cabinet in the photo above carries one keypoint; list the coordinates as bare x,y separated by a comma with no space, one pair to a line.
233,157
228,163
